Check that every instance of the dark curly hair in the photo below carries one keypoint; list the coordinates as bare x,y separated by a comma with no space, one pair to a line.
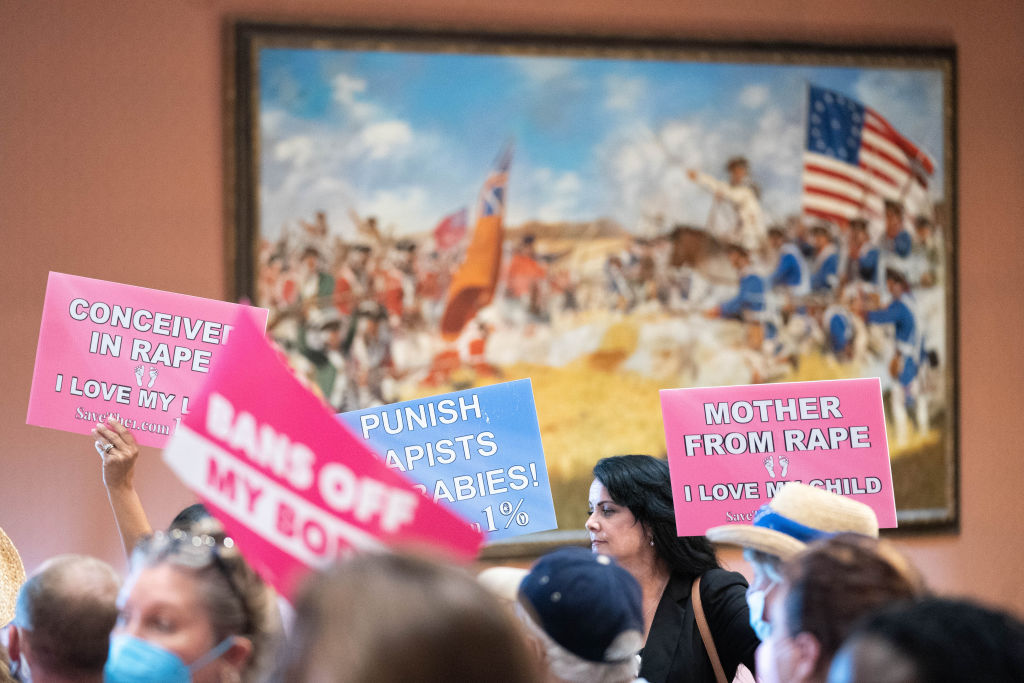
642,484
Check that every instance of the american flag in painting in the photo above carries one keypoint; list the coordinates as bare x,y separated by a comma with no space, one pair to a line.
855,159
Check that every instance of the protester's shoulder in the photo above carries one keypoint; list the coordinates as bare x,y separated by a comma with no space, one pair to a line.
718,579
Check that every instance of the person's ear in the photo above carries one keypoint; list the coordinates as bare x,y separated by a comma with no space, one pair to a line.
14,644
808,651
239,652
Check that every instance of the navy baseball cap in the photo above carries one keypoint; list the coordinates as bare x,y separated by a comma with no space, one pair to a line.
586,603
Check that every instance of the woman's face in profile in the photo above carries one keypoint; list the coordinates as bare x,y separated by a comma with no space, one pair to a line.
613,529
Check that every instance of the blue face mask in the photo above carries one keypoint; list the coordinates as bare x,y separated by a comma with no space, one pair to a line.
755,601
133,660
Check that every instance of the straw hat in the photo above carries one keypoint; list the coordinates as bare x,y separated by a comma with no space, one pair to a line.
797,515
12,575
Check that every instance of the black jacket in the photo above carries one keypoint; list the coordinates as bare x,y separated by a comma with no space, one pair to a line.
674,649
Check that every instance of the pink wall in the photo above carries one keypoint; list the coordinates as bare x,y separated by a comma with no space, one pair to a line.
111,166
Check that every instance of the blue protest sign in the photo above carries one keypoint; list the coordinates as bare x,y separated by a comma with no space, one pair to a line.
478,450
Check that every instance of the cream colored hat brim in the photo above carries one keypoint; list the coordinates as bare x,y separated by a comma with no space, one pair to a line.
757,538
808,506
12,575
503,581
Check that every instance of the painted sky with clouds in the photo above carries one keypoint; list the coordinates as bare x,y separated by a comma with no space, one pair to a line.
409,137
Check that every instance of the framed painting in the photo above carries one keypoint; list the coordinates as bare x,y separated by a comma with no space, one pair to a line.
424,212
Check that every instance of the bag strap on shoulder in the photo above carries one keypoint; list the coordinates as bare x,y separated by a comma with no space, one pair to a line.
705,632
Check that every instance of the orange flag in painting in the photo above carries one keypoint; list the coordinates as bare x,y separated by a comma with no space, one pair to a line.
474,282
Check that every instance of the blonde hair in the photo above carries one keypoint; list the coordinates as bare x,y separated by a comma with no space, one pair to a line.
236,601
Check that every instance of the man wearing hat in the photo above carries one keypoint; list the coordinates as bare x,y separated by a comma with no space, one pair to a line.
825,268
314,283
751,303
862,259
926,252
796,516
12,576
396,285
845,332
901,313
790,272
583,611
354,282
742,195
324,340
897,239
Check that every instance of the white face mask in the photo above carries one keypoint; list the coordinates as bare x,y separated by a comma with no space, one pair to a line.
755,601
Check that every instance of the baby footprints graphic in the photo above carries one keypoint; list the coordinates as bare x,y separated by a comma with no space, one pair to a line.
769,464
140,374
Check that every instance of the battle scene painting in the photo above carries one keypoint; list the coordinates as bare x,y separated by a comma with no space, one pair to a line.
427,215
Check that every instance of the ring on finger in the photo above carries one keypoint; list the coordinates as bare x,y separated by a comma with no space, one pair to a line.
108,448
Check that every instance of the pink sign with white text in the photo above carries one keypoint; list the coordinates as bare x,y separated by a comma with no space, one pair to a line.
134,353
731,448
289,482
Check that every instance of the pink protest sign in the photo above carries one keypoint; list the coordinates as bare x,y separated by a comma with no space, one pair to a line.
291,484
731,448
137,354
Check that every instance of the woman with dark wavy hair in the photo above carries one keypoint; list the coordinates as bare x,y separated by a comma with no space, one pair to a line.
632,520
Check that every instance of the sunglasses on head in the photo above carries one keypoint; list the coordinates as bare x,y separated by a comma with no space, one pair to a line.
197,552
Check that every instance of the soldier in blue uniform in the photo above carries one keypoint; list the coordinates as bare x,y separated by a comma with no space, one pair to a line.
839,326
791,272
897,240
790,282
825,268
926,253
902,315
863,259
750,304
